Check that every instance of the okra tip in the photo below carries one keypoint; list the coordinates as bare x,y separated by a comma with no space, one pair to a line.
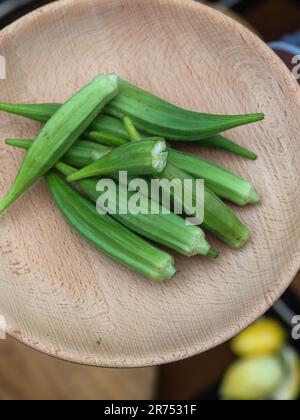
212,253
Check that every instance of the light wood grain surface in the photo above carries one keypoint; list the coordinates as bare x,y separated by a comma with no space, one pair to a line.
57,293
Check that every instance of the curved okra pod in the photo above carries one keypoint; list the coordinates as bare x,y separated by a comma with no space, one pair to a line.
218,218
223,183
160,118
221,142
60,132
147,157
111,131
107,235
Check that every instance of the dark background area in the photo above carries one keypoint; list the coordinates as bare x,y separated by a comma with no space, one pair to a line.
271,18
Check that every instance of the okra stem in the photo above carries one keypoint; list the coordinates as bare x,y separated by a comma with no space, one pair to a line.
137,158
109,236
134,135
61,132
223,183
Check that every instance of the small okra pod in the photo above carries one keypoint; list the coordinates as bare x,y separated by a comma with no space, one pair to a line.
223,183
61,132
146,157
107,235
154,115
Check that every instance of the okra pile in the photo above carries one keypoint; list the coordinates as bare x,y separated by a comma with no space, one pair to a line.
111,127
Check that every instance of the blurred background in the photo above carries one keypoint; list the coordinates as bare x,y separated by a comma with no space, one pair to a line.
262,363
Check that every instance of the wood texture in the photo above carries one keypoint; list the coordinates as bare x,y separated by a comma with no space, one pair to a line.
61,296
28,375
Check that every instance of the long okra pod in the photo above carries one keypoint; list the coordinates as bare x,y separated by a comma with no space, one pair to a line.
60,132
111,131
218,218
107,235
223,183
147,157
158,117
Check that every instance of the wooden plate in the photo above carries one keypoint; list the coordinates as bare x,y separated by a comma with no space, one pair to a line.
62,297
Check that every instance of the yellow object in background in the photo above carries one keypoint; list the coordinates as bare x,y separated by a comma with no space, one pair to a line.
265,337
252,379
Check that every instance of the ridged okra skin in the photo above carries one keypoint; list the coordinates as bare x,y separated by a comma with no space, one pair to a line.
60,133
107,235
110,131
223,183
166,229
81,154
218,218
145,157
160,118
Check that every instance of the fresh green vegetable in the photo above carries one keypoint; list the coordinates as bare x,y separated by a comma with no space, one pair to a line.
167,229
147,157
60,132
223,183
81,154
134,135
104,129
156,116
111,131
218,218
107,235
221,142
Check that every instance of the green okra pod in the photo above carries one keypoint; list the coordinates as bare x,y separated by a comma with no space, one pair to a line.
60,132
107,235
146,157
166,229
223,183
111,131
81,154
221,142
160,118
218,218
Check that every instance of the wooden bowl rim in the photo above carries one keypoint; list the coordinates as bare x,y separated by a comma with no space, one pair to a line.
281,70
